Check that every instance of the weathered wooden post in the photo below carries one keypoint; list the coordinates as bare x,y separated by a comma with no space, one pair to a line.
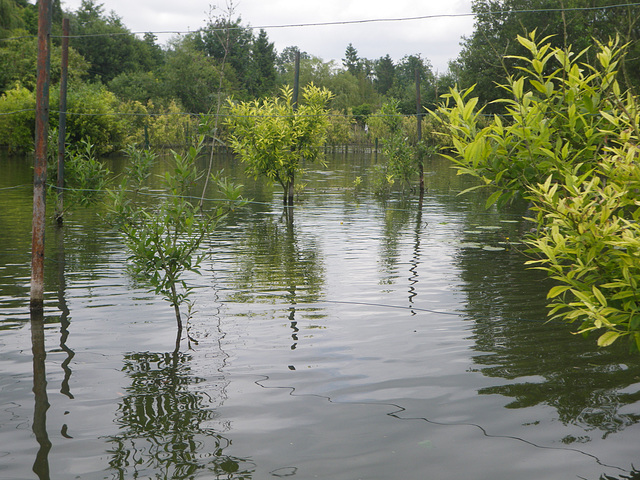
40,161
62,119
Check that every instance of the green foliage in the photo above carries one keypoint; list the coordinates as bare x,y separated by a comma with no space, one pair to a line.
569,148
107,44
18,58
382,180
404,83
95,117
85,177
158,125
10,16
262,70
138,169
228,40
400,147
385,73
194,78
273,137
340,128
361,113
488,52
168,128
591,244
165,239
17,118
553,120
137,86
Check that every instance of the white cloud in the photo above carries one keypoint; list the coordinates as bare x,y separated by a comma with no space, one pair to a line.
436,39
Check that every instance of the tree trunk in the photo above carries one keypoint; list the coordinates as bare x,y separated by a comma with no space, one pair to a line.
289,193
178,317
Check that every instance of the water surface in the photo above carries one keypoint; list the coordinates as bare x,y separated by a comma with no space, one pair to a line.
352,338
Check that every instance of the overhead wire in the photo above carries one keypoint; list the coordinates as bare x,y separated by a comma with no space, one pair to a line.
346,22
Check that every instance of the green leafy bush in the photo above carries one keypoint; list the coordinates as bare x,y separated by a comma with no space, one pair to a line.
17,118
569,147
273,138
400,147
591,245
554,120
85,177
94,114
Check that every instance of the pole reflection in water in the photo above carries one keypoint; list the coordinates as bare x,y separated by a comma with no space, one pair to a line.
415,258
167,426
64,316
41,464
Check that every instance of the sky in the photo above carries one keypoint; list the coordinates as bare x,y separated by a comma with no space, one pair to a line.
436,39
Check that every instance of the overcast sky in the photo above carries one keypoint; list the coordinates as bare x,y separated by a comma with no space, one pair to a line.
436,39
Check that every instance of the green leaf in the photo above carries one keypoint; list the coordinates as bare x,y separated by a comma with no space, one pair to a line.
493,198
608,338
557,290
601,298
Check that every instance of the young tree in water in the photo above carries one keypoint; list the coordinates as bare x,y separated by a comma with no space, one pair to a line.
165,238
273,137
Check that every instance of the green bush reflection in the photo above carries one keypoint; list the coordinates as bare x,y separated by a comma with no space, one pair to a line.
167,424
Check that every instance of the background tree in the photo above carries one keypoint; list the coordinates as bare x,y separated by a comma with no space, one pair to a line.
262,74
228,40
10,16
193,77
384,74
404,84
107,44
286,59
485,53
351,61
18,58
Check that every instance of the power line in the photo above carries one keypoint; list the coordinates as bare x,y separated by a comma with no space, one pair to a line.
442,15
354,22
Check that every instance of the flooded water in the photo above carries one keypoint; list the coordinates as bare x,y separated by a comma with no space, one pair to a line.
356,338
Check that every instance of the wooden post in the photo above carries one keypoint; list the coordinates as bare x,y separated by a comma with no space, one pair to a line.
40,161
62,119
419,130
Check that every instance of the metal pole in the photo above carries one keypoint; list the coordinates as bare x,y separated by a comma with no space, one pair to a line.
296,80
62,130
419,129
40,161
296,88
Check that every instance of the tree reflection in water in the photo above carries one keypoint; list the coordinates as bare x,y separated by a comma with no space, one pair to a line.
542,363
632,475
166,423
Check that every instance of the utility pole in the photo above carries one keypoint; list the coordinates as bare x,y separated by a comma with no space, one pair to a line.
62,119
40,162
419,129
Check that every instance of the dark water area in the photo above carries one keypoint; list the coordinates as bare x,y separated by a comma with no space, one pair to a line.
351,338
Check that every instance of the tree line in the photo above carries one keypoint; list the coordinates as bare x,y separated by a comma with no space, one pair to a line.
114,71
